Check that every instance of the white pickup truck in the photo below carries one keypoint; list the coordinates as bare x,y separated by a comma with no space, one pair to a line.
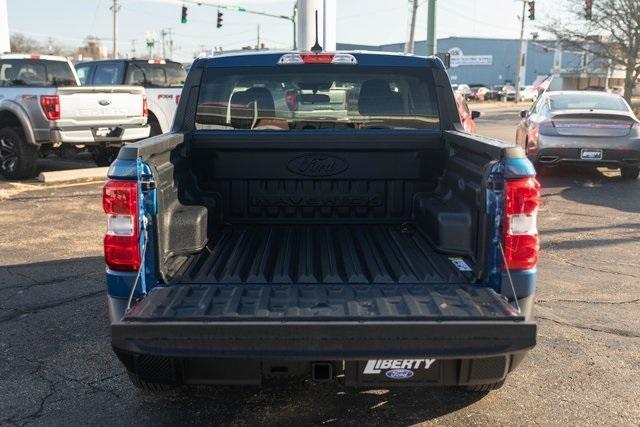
43,106
161,79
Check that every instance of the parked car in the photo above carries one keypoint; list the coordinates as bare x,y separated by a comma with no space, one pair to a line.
493,93
581,128
508,92
464,90
478,93
42,107
251,244
162,80
466,117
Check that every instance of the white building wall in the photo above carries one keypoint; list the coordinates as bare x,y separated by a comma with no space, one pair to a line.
5,46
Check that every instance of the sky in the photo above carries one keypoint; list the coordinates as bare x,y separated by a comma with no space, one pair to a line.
373,22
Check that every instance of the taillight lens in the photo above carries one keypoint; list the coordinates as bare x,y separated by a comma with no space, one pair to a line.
50,106
521,242
177,99
145,106
122,240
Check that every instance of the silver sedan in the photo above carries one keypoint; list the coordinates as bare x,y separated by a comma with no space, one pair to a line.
582,128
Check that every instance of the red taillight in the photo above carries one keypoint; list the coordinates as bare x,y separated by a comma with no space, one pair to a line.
317,58
177,99
122,240
50,106
145,106
521,242
292,100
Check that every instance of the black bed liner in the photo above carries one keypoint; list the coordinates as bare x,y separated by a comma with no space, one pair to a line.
316,302
328,254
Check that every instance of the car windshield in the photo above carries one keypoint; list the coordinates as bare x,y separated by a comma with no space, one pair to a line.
317,97
35,72
587,101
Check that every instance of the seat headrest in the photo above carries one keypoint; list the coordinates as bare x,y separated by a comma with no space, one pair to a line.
242,107
377,98
10,73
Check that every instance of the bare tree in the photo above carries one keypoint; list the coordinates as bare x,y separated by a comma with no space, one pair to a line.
613,34
23,44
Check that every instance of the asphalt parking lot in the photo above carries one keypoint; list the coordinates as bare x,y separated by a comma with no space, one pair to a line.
57,368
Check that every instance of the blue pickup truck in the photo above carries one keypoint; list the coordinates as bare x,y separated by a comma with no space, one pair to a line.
320,216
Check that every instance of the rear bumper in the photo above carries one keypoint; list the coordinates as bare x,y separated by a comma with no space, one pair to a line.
614,158
91,137
368,335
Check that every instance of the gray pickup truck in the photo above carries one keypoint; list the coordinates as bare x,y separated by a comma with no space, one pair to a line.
42,106
380,245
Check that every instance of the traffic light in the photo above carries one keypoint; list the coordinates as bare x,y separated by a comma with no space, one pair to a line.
183,19
588,9
532,10
220,15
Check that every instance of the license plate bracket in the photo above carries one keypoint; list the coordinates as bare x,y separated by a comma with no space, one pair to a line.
591,154
107,132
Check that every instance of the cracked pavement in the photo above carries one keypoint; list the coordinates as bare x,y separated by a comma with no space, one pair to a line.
57,368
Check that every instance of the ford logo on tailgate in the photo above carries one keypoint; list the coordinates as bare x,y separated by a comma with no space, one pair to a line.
399,374
317,165
104,102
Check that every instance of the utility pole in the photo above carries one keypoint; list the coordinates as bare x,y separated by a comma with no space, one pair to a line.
258,41
170,43
410,45
431,28
521,52
115,9
163,34
295,29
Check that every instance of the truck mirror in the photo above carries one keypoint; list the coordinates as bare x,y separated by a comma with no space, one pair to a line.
524,114
475,114
445,57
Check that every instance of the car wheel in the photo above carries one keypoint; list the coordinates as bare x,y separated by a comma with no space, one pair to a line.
630,172
104,156
18,159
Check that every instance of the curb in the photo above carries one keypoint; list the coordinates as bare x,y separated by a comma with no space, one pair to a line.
73,175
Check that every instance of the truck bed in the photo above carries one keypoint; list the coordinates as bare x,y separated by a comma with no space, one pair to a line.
320,254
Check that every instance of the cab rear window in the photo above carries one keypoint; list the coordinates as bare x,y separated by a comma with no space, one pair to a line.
35,72
140,73
317,97
587,101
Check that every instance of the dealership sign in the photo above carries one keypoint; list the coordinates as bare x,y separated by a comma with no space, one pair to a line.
458,58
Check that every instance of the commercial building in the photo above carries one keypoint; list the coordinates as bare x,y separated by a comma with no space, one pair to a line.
490,61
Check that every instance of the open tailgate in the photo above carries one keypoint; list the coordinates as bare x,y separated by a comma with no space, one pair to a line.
323,322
